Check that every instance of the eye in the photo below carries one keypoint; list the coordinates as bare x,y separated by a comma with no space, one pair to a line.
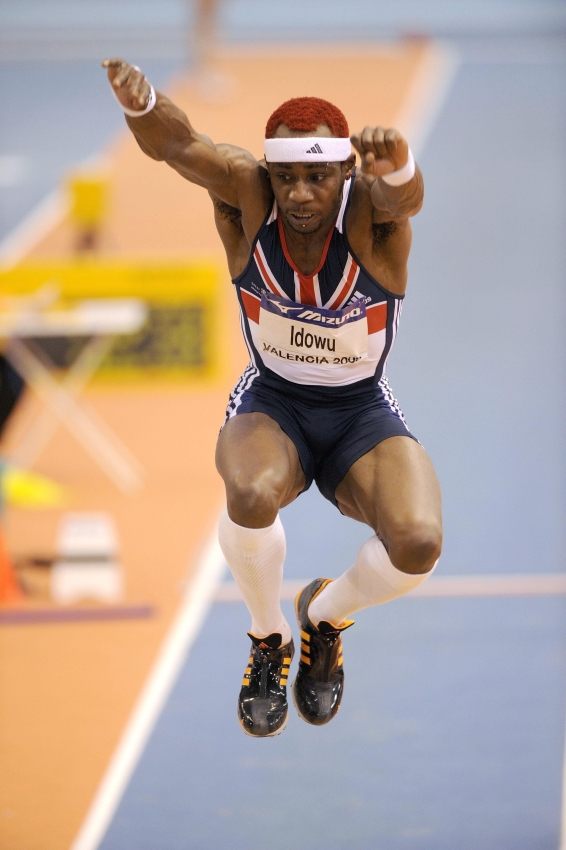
283,177
318,178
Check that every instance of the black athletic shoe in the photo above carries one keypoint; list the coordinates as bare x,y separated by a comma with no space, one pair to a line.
262,705
318,686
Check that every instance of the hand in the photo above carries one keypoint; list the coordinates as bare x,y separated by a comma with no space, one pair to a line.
129,83
382,151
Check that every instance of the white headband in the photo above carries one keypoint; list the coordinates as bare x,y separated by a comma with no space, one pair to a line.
307,149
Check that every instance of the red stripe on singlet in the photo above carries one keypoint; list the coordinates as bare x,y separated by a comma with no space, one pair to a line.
251,306
344,290
263,271
308,295
377,318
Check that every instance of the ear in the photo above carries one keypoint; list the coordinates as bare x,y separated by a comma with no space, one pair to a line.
348,166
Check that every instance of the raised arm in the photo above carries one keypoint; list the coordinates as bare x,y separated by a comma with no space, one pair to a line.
165,133
383,152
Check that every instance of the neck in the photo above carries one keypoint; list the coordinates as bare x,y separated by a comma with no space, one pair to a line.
306,251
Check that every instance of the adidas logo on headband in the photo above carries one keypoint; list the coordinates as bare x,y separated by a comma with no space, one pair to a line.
315,149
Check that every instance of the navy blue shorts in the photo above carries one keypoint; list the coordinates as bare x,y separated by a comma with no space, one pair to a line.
329,435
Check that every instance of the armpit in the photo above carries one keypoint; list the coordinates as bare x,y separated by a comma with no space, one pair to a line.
225,211
382,232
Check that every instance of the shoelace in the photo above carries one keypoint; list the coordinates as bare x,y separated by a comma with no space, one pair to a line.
264,658
327,642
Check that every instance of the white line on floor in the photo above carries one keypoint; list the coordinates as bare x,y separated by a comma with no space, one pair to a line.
474,585
185,629
40,221
563,816
427,94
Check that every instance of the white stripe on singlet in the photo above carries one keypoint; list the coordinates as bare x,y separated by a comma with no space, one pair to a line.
345,196
270,281
394,329
273,215
330,304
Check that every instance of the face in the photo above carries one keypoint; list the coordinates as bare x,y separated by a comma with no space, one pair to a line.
308,194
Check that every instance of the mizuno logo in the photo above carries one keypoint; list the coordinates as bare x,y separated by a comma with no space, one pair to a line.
285,309
315,149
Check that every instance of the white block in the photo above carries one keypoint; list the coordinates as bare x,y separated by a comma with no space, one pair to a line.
87,535
72,581
87,566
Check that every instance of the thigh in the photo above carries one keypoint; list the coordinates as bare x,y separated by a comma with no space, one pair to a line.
255,456
392,488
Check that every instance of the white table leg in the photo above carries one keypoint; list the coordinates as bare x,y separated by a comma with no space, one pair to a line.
76,378
91,432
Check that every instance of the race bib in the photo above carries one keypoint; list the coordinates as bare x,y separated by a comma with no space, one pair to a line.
297,333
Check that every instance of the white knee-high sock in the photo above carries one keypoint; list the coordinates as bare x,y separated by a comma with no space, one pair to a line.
256,556
372,580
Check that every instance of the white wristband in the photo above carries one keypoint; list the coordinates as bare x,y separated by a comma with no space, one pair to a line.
403,175
133,113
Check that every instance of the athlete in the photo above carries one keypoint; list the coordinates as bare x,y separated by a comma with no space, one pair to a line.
317,250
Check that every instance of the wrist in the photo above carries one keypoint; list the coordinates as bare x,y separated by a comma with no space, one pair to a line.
137,113
402,175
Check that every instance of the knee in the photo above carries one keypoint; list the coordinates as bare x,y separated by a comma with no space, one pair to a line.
254,499
416,547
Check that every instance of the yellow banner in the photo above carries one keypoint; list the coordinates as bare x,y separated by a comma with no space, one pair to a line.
184,332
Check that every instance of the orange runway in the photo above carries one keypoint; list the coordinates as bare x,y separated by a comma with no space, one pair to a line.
68,689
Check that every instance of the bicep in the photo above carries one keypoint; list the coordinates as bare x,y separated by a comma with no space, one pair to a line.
391,242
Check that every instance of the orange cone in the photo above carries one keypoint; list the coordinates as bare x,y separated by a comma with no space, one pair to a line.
10,590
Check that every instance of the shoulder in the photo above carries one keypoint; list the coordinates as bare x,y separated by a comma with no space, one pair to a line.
242,163
250,178
239,221
253,190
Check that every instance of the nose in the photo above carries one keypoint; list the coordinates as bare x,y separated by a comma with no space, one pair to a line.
301,193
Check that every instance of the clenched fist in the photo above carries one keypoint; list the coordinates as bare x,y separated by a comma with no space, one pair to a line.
129,83
382,151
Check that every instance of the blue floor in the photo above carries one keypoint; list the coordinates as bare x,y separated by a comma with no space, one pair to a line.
451,731
448,737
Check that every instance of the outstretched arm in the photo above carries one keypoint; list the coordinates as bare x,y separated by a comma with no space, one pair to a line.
165,133
383,152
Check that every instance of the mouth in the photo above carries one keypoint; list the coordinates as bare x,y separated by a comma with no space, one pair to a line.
301,218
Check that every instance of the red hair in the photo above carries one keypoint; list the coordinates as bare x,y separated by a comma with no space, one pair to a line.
304,114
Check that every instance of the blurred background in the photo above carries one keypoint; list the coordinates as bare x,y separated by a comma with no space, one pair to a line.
122,638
